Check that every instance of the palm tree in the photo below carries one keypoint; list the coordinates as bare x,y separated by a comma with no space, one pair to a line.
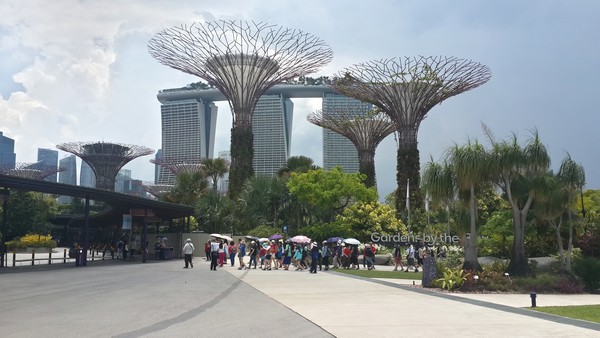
550,206
215,168
572,176
300,164
440,184
470,163
215,213
517,171
190,186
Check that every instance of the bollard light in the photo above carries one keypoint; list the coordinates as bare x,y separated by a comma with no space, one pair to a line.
476,278
533,296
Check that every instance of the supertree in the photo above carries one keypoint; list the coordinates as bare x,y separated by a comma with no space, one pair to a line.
105,159
364,126
178,165
156,190
407,88
35,171
242,60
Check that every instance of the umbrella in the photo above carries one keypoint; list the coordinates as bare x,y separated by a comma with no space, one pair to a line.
216,235
334,239
300,239
276,236
352,241
227,238
264,239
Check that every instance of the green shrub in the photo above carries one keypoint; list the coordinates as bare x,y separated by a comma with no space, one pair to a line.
452,278
498,266
588,270
32,240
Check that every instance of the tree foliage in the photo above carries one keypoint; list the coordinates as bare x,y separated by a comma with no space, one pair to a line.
365,218
327,193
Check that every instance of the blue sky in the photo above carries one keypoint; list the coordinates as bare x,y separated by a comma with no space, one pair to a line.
80,70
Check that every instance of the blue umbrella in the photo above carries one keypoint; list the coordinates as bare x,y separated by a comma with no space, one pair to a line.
334,239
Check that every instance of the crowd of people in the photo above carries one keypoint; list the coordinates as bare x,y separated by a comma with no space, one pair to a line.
278,254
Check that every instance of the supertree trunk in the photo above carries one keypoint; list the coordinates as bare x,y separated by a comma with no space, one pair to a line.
366,165
242,155
408,170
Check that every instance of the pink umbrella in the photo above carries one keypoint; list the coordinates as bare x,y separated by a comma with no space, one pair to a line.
300,239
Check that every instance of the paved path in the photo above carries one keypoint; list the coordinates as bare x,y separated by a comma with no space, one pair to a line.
160,299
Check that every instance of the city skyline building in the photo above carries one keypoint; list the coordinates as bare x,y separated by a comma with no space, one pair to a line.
87,178
272,126
338,150
188,131
67,176
224,181
48,158
8,158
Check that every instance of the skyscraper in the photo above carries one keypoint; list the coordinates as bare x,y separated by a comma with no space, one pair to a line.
271,125
87,178
8,158
47,158
67,176
122,176
188,131
337,149
224,181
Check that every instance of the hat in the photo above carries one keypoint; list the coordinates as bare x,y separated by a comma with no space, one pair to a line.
315,243
343,244
253,242
188,240
324,241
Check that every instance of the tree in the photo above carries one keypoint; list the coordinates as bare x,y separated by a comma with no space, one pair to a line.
440,184
190,186
572,175
366,218
214,213
327,193
298,164
517,171
215,168
263,200
29,212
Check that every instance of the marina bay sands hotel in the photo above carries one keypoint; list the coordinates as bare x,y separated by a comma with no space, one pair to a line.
189,118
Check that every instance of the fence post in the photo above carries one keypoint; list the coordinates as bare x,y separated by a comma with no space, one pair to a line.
49,256
14,258
32,257
65,256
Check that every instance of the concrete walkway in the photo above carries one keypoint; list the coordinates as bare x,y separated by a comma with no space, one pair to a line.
113,298
348,306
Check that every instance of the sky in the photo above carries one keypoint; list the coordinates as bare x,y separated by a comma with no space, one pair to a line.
80,70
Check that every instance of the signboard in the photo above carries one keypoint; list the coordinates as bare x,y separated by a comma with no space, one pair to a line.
284,228
126,222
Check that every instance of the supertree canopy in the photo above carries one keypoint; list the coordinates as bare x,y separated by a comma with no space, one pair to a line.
105,159
157,190
242,60
364,126
406,88
178,165
36,171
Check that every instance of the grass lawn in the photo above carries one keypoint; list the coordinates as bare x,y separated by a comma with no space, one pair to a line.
586,312
382,274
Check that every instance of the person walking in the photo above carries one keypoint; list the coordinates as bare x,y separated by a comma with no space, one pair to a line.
232,250
314,255
369,256
410,258
207,250
188,252
242,254
287,255
214,254
253,253
397,253
325,252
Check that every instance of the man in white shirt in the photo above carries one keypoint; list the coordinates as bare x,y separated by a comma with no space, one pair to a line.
188,251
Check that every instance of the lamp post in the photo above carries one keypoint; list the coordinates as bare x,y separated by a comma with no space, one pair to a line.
4,195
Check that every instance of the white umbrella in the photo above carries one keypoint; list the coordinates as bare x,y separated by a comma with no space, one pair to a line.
227,238
216,235
300,239
352,241
261,240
